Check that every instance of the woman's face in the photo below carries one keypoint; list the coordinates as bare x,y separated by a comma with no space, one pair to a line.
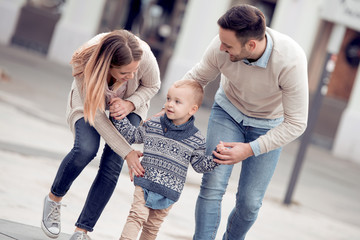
125,72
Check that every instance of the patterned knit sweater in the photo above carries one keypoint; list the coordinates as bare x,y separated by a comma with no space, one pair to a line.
168,151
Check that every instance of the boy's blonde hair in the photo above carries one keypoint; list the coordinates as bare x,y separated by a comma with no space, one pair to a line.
195,86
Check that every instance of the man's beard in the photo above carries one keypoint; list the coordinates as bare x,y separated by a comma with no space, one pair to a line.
234,58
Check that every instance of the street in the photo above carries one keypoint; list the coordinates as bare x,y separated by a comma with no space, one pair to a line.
34,138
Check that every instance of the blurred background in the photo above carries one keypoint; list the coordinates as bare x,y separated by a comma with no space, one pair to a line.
38,37
178,32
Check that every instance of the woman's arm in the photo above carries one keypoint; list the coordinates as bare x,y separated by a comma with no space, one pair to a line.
148,79
107,131
118,144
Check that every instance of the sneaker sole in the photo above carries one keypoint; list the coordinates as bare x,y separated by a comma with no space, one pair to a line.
47,232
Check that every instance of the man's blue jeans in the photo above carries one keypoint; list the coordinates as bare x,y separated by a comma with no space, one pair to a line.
86,145
256,173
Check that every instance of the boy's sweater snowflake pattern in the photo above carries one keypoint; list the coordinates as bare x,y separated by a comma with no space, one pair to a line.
168,150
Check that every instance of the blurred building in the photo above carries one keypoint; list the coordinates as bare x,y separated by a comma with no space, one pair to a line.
179,31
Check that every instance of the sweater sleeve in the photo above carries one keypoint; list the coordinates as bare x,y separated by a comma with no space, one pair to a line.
294,85
129,131
200,161
150,79
112,137
105,128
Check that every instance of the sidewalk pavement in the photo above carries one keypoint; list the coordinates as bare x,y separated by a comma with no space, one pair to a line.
34,138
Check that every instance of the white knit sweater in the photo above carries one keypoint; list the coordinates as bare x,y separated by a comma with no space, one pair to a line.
140,90
279,90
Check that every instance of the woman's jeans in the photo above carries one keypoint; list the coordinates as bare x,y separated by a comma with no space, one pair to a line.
86,145
256,173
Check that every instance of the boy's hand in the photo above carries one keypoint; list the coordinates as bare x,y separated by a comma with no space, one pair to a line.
134,165
120,108
220,147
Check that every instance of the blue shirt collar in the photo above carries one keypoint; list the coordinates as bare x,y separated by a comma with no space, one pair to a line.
264,59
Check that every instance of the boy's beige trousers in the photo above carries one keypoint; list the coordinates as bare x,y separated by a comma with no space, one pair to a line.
141,216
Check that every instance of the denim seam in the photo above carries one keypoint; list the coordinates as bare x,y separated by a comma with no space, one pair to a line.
218,221
72,157
229,225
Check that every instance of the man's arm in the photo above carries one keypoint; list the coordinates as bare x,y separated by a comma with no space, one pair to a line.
295,101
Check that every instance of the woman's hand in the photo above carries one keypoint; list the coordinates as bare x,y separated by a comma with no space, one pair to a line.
120,108
134,165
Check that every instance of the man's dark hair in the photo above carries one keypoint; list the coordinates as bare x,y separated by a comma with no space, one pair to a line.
247,21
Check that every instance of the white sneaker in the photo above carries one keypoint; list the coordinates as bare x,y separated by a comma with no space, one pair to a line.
50,223
79,235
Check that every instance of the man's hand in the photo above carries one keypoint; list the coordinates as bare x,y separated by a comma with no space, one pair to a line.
134,165
120,108
233,152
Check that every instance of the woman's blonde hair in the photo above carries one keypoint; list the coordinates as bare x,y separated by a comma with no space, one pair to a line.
92,64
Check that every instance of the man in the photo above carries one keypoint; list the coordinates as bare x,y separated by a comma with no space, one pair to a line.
261,105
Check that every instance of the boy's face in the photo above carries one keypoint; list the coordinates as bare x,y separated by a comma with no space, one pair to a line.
180,104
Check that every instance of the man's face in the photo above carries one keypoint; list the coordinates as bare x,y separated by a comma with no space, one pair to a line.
231,45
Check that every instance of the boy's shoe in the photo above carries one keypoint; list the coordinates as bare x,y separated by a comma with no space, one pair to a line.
50,223
79,235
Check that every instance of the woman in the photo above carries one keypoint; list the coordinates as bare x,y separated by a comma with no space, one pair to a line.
113,71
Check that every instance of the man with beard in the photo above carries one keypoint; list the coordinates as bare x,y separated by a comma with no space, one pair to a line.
260,106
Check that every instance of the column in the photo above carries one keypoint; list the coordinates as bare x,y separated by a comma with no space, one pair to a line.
347,140
9,14
79,22
304,26
199,27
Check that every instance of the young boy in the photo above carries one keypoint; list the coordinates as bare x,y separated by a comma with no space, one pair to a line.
171,142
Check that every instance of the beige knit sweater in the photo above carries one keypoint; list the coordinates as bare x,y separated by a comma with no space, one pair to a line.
140,90
279,90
